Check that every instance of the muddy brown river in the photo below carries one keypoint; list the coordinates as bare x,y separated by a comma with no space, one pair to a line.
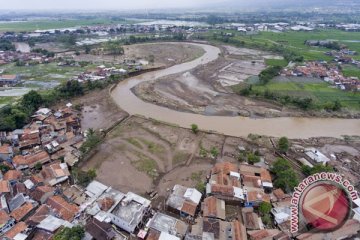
292,127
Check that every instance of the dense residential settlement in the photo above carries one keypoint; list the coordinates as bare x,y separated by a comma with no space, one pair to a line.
39,196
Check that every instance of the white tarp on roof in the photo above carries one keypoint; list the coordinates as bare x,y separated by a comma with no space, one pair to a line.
29,184
235,174
238,193
193,195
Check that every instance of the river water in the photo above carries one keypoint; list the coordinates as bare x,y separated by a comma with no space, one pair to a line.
292,127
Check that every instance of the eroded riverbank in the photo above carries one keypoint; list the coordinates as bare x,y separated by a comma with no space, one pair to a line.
292,127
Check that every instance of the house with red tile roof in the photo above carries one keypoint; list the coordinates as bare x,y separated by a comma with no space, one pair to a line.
62,208
12,175
21,213
4,186
6,222
6,152
42,193
55,173
225,183
183,200
29,161
213,207
17,229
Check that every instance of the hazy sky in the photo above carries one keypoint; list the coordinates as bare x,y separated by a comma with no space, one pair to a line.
102,4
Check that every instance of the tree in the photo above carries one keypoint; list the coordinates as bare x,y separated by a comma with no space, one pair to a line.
280,165
337,105
71,89
287,180
114,48
92,140
252,158
266,219
31,101
87,49
214,152
194,128
318,168
264,208
74,233
83,178
283,144
4,168
38,166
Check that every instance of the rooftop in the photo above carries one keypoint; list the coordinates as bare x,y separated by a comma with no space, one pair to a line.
184,199
65,210
18,228
21,212
168,224
213,208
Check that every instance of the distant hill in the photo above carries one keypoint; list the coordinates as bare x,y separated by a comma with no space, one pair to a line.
280,4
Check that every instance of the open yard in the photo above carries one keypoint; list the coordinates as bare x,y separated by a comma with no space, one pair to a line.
320,92
140,155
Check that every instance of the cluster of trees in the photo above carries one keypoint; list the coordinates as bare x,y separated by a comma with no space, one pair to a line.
264,209
6,45
318,168
326,44
333,106
303,103
113,48
93,138
83,178
74,233
67,39
269,73
285,176
44,52
213,19
17,115
250,157
283,144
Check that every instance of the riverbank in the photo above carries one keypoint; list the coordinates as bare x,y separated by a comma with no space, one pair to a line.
292,127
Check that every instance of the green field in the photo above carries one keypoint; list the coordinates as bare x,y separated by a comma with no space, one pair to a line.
321,93
44,72
52,24
276,62
6,100
294,41
351,71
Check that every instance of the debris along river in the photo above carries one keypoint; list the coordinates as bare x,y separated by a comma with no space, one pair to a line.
292,127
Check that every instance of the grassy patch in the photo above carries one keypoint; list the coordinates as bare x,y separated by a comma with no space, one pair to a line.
134,142
153,147
180,157
45,72
6,100
276,62
351,71
294,41
321,93
146,165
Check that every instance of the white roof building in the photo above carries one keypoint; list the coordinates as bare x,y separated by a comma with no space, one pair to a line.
95,189
316,155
